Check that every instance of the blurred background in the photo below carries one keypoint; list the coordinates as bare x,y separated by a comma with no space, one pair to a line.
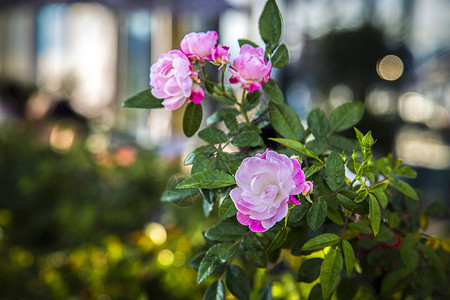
81,177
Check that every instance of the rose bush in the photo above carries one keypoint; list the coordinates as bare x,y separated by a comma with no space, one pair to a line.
362,244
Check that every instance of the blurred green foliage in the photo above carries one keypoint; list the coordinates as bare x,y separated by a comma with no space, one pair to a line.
83,225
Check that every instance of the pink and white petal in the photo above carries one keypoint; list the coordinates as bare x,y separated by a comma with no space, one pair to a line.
173,103
282,212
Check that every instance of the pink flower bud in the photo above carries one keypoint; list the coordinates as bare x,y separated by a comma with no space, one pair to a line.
199,45
250,68
307,188
220,55
266,183
172,79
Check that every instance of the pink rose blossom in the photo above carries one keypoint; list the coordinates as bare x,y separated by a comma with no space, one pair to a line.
173,79
250,68
266,183
199,45
220,55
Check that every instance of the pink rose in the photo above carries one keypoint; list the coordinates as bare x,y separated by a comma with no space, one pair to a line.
250,68
173,79
220,55
199,45
266,183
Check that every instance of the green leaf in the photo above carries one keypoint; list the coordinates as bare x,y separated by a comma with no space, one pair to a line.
247,138
281,57
382,198
361,227
217,254
296,146
318,123
237,282
334,215
286,122
435,209
201,152
317,214
375,214
346,199
384,165
434,260
330,273
174,195
203,164
270,25
195,262
339,143
385,236
404,188
226,161
207,179
318,146
255,251
321,241
392,280
227,209
334,171
346,115
221,114
223,100
266,293
381,186
225,231
349,256
298,212
409,253
144,99
273,91
216,291
253,100
309,270
314,169
361,197
406,171
316,293
213,135
248,42
279,239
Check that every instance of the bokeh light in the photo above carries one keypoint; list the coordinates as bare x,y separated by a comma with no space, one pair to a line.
61,138
390,67
156,232
166,257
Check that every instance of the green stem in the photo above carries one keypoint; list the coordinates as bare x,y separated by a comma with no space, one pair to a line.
241,105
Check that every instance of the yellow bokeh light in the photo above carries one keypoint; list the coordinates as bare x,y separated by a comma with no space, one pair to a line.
165,257
61,139
156,232
390,67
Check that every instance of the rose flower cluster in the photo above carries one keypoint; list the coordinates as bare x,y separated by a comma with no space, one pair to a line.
174,78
